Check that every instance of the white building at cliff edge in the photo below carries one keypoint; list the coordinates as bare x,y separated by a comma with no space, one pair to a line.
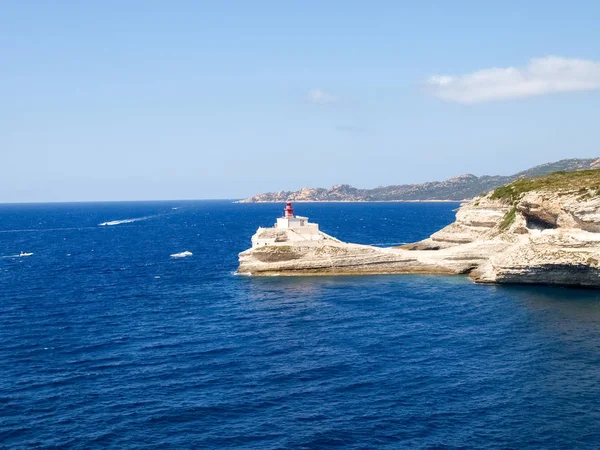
290,221
287,229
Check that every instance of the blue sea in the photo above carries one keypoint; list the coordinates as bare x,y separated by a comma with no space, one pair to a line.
107,341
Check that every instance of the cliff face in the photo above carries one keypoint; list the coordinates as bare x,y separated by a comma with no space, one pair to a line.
456,188
540,231
555,239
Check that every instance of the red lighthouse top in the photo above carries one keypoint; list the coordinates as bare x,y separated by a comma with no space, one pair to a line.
288,211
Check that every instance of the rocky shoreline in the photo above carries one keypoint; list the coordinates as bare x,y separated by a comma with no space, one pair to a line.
544,232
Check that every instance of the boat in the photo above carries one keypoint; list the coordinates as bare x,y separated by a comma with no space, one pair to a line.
24,254
182,254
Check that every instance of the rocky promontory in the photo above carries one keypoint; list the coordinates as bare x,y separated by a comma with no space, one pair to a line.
543,230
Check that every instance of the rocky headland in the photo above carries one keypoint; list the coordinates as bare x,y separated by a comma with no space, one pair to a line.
454,189
543,230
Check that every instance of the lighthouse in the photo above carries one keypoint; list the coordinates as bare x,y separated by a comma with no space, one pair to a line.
288,211
288,229
291,221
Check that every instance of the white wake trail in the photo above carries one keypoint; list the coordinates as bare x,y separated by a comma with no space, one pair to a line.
22,255
122,221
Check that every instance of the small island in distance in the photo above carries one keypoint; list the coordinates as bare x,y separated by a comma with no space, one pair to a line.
458,188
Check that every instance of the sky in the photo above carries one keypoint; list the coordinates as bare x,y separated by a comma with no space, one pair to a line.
156,100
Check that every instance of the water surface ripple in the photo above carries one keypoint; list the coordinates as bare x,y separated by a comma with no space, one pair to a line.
107,341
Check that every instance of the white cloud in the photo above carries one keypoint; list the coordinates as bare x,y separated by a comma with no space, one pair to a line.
541,76
320,97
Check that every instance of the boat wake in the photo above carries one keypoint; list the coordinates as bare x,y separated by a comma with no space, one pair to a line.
42,230
20,255
122,221
181,255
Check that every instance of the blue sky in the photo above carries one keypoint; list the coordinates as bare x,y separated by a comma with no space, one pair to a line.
143,100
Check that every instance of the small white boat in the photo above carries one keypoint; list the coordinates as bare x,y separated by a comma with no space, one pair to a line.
181,255
24,254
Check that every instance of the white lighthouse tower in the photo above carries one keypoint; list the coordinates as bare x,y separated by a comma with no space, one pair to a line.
289,228
290,221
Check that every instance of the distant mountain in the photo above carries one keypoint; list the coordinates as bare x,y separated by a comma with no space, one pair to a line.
457,188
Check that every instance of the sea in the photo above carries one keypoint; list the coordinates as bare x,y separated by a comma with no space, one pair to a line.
112,337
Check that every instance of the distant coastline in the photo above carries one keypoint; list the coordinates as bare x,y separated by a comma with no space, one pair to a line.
358,201
463,187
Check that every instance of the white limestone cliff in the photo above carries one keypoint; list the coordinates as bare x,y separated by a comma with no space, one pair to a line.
549,235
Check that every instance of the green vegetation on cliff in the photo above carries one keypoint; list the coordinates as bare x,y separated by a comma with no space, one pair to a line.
508,218
586,182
